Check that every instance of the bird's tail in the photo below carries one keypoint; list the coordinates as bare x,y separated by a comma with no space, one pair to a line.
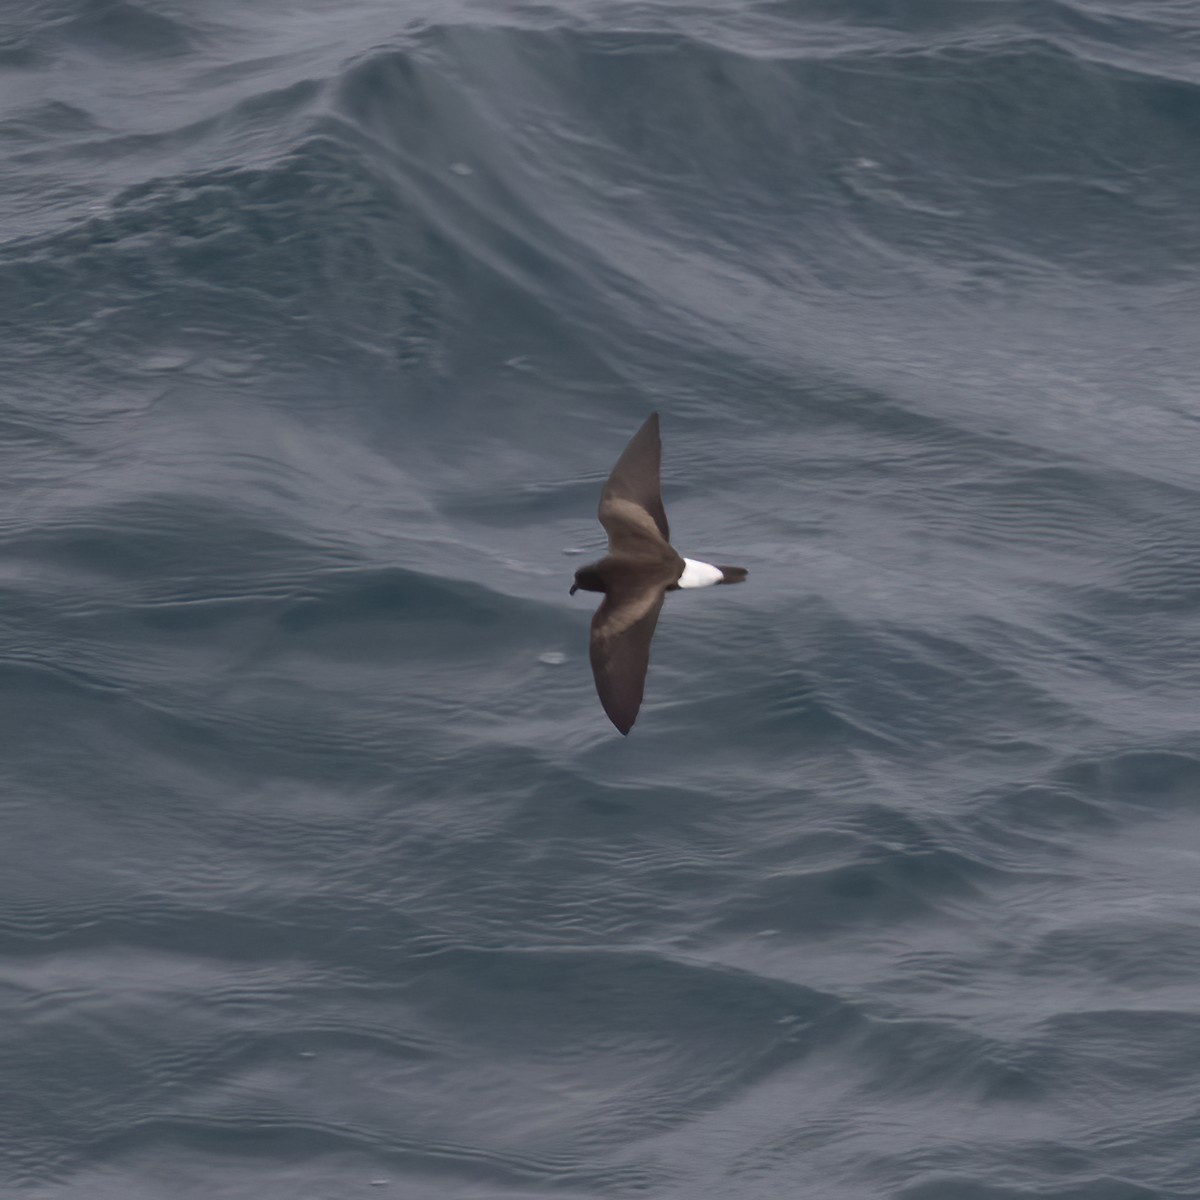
732,574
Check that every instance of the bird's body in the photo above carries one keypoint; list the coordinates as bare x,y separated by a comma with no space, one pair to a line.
640,568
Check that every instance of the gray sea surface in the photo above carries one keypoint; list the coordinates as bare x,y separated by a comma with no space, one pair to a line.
323,875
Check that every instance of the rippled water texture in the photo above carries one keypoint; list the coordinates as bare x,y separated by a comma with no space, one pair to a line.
324,875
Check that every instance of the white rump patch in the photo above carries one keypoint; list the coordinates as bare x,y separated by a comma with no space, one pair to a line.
699,574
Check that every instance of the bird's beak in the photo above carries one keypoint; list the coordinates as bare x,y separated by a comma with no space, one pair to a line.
574,589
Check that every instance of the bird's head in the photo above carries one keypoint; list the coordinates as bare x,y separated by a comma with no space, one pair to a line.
588,579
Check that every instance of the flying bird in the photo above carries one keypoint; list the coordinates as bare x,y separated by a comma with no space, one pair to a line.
636,574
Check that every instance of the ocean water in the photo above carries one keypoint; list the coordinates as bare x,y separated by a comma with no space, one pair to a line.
323,875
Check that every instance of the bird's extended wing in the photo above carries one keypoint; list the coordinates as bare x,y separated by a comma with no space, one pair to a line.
620,650
631,502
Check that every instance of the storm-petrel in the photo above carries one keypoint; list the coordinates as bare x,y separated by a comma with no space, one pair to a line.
636,574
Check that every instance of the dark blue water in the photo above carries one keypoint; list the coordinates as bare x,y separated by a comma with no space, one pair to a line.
323,875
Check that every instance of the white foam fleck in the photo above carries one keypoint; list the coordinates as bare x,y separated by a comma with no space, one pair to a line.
167,360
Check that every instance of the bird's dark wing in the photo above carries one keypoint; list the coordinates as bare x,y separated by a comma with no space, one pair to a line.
620,650
632,492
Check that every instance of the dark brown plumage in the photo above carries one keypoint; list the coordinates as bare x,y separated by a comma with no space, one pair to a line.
640,568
